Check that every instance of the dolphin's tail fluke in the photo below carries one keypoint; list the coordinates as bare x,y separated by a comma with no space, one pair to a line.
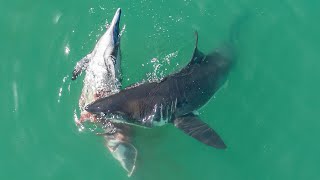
118,141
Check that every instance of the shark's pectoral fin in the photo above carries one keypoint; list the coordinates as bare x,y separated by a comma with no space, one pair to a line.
80,66
194,127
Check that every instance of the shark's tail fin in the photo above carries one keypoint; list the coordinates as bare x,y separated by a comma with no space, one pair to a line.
228,49
236,27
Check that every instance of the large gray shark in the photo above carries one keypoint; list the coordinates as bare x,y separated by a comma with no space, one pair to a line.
174,98
102,79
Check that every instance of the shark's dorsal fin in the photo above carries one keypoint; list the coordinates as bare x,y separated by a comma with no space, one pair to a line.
196,43
197,56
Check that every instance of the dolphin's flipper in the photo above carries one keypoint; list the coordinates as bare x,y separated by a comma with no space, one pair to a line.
119,144
80,66
194,127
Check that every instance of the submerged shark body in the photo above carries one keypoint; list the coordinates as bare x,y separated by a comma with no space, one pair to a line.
173,99
102,79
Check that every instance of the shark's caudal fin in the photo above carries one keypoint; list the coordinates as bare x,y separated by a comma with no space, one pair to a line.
80,66
194,127
229,48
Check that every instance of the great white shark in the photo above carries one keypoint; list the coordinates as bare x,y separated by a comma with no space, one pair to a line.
103,78
173,99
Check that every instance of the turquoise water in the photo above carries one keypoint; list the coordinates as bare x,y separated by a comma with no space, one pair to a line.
267,112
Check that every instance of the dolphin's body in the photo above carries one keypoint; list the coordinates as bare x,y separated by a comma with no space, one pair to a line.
102,66
173,99
102,79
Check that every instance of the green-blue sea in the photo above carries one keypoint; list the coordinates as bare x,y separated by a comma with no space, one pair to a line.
267,112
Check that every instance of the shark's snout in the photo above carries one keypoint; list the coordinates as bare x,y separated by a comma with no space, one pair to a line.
92,108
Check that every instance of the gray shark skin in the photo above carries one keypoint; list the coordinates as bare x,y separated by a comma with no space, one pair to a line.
174,98
103,78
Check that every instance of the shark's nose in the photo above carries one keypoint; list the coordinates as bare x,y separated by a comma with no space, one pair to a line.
92,109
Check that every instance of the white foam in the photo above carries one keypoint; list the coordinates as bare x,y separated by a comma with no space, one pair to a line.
15,96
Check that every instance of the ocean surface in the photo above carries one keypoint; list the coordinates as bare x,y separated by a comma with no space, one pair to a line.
267,112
